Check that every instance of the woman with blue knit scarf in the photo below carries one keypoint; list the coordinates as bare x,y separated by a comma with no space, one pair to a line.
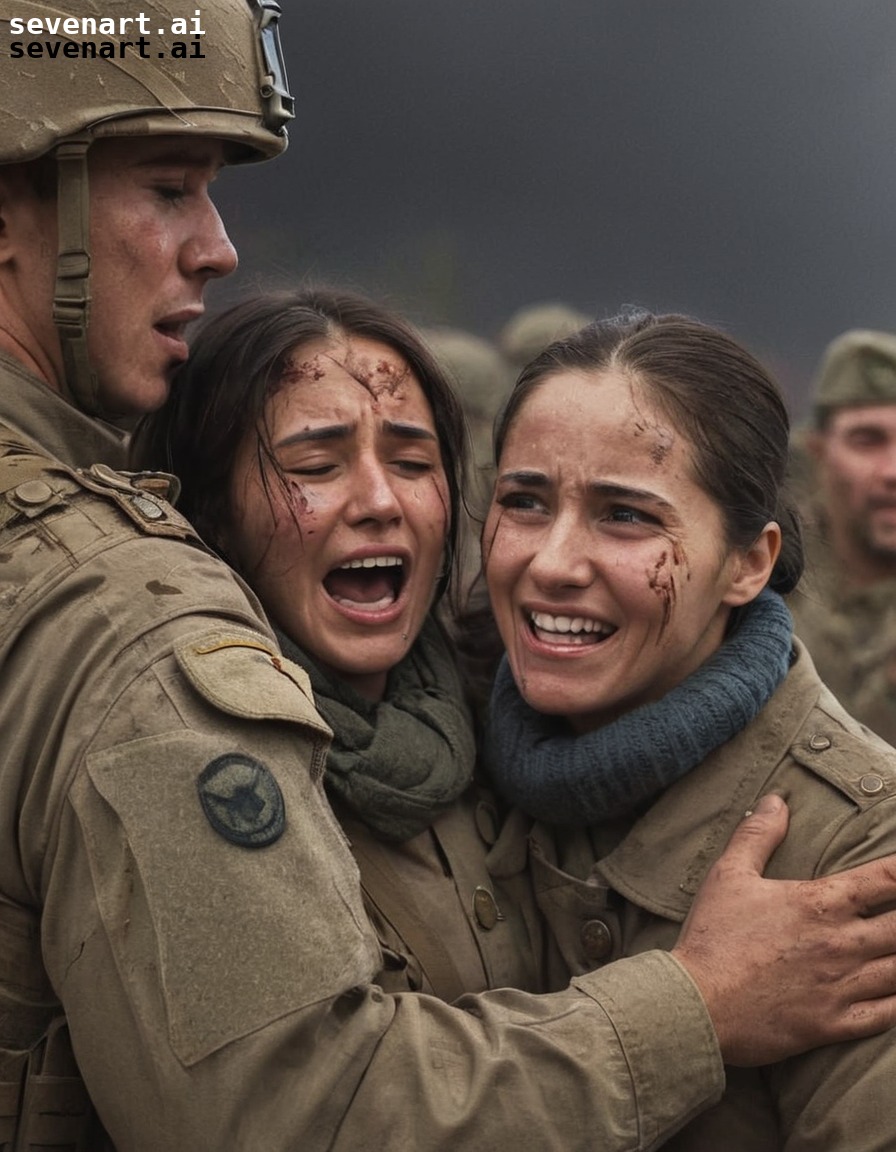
636,552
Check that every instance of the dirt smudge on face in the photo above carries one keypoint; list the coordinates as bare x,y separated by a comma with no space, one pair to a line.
295,371
299,498
648,423
381,378
661,581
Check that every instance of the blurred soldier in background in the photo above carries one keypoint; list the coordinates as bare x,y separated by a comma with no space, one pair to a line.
483,379
532,328
845,608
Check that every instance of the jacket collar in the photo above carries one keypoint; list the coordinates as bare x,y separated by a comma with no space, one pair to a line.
31,407
664,858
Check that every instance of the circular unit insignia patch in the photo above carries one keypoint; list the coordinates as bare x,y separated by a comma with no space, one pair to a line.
242,800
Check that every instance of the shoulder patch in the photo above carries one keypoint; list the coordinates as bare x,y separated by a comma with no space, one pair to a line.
242,801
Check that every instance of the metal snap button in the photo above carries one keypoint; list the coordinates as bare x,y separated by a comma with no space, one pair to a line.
818,743
871,784
597,940
147,507
486,819
485,909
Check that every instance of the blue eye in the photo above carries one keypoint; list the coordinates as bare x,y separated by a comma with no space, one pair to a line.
623,514
522,500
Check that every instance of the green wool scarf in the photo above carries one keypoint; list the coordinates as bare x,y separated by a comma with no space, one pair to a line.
399,762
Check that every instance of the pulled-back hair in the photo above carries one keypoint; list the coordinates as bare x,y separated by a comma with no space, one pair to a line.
716,394
239,359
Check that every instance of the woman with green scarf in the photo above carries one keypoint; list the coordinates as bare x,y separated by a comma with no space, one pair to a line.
636,552
321,449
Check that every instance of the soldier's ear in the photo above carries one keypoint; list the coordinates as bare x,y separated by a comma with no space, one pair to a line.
15,190
28,207
5,195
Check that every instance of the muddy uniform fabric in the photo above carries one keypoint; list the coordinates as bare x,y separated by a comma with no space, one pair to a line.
620,888
445,922
399,776
851,634
173,879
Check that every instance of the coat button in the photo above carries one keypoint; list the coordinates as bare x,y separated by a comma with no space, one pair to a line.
485,909
818,743
871,784
487,825
34,492
596,940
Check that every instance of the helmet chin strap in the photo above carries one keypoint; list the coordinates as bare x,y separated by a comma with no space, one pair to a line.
71,301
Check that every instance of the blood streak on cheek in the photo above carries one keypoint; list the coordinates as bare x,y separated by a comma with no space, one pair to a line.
661,580
299,497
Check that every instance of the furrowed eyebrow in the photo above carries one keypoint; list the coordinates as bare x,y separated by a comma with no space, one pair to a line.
529,479
408,431
623,492
327,432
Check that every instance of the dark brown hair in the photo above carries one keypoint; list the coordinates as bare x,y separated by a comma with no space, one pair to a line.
239,359
717,395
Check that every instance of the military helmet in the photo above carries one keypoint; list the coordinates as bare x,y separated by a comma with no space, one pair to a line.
74,75
67,74
858,368
529,331
480,371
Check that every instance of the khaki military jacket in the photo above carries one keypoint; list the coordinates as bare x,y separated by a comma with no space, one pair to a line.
618,890
172,878
851,634
447,922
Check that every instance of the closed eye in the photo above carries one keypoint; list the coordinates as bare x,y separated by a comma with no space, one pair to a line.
414,467
170,193
320,470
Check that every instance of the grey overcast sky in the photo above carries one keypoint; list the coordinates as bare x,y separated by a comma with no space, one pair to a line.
462,158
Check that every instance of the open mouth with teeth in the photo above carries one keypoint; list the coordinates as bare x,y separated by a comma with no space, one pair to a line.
576,630
367,585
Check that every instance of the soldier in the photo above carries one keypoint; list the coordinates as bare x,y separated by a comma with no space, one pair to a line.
845,608
532,328
175,894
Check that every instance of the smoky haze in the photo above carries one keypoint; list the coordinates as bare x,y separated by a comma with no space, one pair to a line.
463,159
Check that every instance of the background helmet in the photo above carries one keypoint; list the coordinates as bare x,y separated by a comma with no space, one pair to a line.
858,368
529,331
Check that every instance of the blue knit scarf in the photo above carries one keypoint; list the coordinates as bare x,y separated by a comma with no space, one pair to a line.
562,778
